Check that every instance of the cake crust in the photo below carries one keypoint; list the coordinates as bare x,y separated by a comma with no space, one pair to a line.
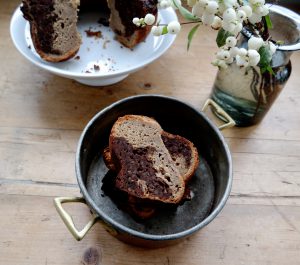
146,169
53,28
53,24
183,152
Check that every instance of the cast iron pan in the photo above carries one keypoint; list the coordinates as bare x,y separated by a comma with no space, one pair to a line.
210,185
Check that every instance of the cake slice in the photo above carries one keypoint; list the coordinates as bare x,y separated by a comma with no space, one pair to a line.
145,167
53,27
121,15
185,156
183,153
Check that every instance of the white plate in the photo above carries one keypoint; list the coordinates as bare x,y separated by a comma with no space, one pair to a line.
115,61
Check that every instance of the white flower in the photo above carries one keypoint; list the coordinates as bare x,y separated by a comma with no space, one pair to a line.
202,3
217,23
149,19
264,10
230,3
228,26
223,55
226,55
247,9
254,57
241,61
238,28
234,51
197,10
255,18
229,15
272,47
215,62
222,7
222,64
212,7
241,15
229,60
257,2
173,27
231,42
207,18
156,30
254,43
136,21
242,52
164,4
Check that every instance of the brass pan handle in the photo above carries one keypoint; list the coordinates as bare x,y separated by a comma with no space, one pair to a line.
222,113
68,220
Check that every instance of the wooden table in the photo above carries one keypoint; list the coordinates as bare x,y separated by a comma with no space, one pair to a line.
42,117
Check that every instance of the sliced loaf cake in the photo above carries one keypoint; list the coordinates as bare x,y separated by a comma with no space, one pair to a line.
121,15
145,167
183,153
53,27
53,24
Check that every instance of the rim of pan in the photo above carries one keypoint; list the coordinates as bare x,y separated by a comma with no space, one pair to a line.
120,227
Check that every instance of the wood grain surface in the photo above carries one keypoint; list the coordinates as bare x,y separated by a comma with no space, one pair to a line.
42,117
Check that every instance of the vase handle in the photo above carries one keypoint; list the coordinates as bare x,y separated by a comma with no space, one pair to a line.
222,114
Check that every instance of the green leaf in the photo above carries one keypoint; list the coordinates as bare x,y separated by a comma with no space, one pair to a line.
265,56
184,12
268,22
265,60
164,30
191,35
222,36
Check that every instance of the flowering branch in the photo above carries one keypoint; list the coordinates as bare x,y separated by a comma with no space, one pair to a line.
229,17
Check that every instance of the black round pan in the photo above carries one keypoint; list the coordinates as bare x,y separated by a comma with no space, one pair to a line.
210,186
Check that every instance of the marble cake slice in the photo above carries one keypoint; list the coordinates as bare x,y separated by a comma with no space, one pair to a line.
53,27
145,167
183,153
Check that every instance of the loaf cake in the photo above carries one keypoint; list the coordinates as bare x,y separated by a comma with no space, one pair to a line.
145,167
185,157
53,24
183,152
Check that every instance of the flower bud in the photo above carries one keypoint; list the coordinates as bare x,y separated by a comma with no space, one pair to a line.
174,27
149,19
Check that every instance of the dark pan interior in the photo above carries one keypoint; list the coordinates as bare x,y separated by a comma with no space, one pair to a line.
167,221
208,185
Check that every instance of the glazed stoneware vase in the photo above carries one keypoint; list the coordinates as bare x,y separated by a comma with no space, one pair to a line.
246,94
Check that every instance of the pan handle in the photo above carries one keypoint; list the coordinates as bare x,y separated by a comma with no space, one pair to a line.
220,113
68,220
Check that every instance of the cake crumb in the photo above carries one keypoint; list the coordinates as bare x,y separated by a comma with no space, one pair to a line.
105,43
77,57
96,67
87,71
95,34
147,85
29,47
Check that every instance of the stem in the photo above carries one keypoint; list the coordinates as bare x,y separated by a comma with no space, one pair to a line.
184,23
265,33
